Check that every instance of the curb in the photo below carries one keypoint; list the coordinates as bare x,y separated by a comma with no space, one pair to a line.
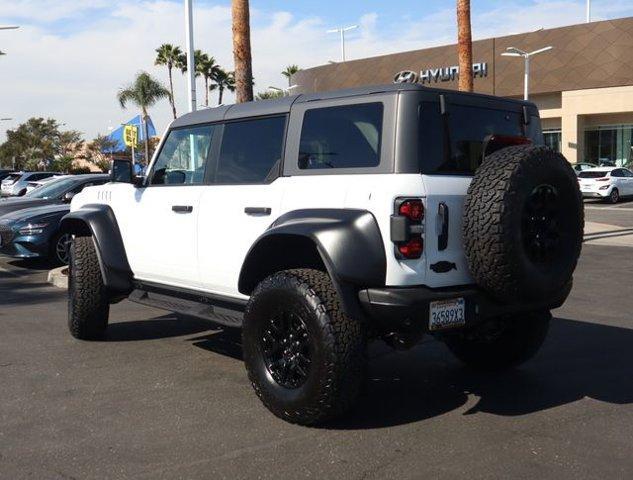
59,277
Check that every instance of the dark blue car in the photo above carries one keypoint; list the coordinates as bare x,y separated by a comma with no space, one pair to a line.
35,233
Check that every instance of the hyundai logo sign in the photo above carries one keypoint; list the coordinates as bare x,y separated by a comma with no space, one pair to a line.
436,75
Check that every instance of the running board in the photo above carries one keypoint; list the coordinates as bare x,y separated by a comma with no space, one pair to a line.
221,310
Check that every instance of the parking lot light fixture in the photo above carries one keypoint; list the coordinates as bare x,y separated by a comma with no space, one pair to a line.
341,31
9,27
517,52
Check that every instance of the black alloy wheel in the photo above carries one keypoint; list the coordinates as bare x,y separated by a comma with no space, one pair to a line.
286,349
541,236
62,248
615,196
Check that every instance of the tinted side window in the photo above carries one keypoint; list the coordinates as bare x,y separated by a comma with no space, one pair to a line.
617,173
251,151
341,137
182,159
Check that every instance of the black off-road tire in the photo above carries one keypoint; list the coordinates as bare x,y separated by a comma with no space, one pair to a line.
512,253
501,344
336,342
88,301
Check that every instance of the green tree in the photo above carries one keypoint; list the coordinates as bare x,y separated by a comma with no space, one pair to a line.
63,164
223,81
32,144
171,57
208,69
99,152
269,95
144,92
289,72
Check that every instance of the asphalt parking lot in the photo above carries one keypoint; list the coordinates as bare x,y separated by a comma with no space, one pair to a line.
167,397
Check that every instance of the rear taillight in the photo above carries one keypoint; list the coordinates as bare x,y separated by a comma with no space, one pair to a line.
406,228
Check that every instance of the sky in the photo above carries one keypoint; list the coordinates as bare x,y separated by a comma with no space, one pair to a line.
70,57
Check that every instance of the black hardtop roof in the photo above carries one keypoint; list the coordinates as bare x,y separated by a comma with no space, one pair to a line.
283,105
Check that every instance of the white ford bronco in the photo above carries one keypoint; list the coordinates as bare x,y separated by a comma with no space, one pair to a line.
321,221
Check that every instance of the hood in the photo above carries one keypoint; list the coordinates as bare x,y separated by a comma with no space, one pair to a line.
12,204
36,214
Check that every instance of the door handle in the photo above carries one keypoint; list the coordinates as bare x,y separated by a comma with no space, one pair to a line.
257,211
182,208
442,238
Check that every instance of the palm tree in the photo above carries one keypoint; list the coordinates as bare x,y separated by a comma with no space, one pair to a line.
465,46
170,56
206,67
144,92
223,81
242,51
289,72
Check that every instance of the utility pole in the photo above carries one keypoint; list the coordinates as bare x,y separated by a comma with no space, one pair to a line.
191,64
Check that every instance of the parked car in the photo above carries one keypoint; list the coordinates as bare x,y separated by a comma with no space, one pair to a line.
317,221
582,166
5,173
15,183
30,186
56,191
35,233
609,184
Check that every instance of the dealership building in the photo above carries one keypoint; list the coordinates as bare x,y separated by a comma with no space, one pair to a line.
583,86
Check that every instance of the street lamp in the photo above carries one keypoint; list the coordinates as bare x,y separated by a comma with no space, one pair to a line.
284,91
516,52
341,31
191,64
9,27
588,11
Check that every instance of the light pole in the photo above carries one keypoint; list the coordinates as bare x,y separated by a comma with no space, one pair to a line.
341,31
588,11
516,52
284,91
191,63
9,27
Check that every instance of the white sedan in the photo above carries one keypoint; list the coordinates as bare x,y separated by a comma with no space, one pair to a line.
608,183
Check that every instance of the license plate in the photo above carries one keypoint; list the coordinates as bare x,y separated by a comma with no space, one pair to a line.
447,314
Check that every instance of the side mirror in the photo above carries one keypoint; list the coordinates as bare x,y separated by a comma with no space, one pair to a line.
68,196
121,171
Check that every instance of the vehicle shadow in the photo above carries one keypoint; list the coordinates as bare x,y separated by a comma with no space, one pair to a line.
578,360
166,326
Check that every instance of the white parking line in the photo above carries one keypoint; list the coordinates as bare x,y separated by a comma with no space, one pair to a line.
617,209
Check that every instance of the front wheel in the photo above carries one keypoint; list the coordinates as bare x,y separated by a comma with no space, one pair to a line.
88,302
304,356
501,343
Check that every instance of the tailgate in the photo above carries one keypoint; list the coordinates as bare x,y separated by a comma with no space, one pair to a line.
445,260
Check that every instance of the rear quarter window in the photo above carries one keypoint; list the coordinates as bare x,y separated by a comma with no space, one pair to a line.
347,136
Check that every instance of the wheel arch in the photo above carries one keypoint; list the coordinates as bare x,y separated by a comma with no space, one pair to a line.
345,243
99,222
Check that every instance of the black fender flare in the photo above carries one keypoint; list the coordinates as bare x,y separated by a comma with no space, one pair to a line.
100,222
348,242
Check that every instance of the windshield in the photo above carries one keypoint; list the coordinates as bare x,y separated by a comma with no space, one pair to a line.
12,178
53,189
593,174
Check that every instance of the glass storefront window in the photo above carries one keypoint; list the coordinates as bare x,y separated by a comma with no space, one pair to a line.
611,145
553,139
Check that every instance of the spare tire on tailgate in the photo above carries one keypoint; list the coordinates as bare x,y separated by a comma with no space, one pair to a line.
523,223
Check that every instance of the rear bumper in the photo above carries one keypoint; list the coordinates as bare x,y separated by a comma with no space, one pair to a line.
395,308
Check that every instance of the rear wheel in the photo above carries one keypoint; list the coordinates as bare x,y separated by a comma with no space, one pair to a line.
501,343
88,302
614,196
305,358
